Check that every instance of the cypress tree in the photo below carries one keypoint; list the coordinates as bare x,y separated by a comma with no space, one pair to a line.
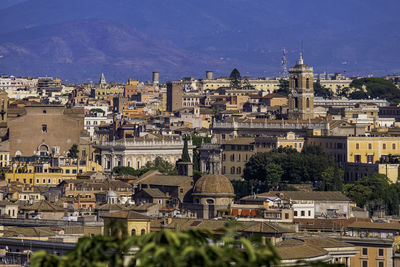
185,152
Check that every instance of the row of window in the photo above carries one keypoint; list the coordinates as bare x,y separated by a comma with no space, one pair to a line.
238,157
142,232
10,212
6,157
364,252
364,263
302,213
237,147
384,146
234,170
38,181
295,83
380,262
88,123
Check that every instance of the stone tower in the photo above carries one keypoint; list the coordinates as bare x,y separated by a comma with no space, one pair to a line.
301,97
3,108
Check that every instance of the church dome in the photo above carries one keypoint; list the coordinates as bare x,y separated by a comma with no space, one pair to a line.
213,185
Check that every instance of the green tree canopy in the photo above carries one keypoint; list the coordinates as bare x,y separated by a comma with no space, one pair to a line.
198,247
159,164
166,248
311,165
246,85
283,87
236,79
322,91
375,87
73,152
375,193
96,110
185,152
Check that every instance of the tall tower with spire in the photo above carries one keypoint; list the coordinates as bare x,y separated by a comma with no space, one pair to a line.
102,80
301,97
285,73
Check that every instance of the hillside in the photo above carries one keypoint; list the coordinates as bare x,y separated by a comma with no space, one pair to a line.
78,39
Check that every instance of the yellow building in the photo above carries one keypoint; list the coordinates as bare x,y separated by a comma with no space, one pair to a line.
370,149
360,154
101,92
44,174
163,96
136,223
265,144
262,84
376,243
357,149
235,154
336,86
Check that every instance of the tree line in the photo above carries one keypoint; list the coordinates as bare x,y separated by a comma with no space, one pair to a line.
266,171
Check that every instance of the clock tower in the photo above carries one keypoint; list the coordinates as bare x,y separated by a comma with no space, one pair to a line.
301,97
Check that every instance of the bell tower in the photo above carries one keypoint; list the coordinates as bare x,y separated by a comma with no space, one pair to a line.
301,97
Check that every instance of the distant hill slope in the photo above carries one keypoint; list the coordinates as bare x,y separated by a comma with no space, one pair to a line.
78,39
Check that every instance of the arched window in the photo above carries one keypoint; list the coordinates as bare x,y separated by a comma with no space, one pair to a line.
308,83
296,103
232,170
143,231
308,103
210,201
133,232
296,83
239,170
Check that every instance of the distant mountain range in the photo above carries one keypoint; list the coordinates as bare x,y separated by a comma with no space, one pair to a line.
77,40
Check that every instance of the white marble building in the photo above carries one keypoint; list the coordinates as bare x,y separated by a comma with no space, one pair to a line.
137,152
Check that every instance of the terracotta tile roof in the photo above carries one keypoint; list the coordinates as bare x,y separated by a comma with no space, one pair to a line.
163,179
129,215
142,208
301,195
7,203
110,207
213,225
274,95
326,242
16,231
154,192
292,249
327,224
375,225
43,206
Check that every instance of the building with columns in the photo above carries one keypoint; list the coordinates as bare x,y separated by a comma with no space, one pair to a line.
136,152
301,97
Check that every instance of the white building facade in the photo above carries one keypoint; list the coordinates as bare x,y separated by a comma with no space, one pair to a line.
135,154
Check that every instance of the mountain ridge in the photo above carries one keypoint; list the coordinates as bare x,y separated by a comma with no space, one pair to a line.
184,38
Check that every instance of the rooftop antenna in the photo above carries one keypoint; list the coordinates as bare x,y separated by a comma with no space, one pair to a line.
285,73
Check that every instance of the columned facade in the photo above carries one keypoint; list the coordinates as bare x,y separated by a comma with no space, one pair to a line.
136,154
